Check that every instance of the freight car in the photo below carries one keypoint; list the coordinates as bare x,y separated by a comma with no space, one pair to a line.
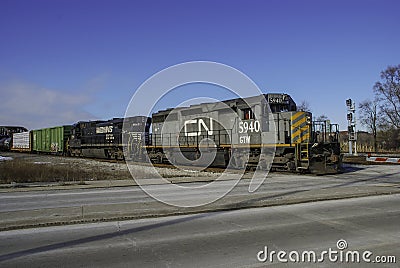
51,140
245,133
6,133
22,141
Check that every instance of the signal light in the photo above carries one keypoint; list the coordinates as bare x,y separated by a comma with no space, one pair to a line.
351,129
308,120
348,102
350,117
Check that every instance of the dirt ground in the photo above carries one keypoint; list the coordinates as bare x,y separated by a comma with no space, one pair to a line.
39,167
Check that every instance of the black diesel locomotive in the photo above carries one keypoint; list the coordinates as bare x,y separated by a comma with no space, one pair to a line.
265,131
103,139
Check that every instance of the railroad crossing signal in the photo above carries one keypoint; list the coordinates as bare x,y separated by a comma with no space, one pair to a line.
352,132
350,117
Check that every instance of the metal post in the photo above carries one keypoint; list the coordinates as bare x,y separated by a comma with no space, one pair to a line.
355,132
350,147
351,120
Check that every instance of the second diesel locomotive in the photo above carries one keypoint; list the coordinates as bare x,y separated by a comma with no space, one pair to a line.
103,139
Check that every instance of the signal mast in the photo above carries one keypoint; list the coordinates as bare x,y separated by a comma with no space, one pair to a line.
351,122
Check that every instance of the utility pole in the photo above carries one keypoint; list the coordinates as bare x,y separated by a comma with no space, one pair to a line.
351,122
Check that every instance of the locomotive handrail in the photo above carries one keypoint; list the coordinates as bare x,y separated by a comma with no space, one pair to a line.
165,139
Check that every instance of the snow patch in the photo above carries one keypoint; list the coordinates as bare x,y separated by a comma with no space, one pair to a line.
5,158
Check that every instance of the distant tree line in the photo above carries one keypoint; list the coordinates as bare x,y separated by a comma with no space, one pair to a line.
381,116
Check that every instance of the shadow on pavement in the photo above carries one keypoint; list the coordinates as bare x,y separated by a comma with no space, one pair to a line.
60,245
348,168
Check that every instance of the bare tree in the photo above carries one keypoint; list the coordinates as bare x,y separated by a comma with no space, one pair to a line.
390,139
321,118
388,91
304,106
369,117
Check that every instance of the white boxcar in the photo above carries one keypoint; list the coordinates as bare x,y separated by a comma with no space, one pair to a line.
21,141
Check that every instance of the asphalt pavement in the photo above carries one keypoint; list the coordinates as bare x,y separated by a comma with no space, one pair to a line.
45,205
316,234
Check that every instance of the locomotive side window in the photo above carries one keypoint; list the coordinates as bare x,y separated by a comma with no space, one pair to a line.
247,114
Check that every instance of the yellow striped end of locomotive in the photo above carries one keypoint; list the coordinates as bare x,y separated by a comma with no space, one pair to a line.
300,127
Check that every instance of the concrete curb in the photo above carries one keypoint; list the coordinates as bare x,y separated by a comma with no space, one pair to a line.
92,184
24,187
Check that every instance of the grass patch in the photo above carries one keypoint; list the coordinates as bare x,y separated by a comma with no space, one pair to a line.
20,171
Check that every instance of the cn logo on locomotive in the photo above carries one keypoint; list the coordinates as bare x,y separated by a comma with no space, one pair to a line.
200,123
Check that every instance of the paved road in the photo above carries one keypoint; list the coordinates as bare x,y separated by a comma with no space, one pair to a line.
216,239
49,206
275,184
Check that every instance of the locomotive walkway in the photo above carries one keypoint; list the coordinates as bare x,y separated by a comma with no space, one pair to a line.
120,199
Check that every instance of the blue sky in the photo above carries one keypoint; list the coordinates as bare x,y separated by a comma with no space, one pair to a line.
64,61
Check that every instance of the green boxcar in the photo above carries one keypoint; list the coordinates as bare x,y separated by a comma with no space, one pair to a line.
51,140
